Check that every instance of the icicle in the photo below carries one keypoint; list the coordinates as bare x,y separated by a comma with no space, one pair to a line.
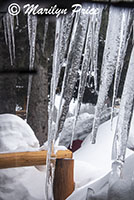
66,73
12,34
54,81
45,33
109,63
66,25
97,24
124,36
28,94
83,78
8,22
5,29
124,120
88,57
74,59
32,27
9,37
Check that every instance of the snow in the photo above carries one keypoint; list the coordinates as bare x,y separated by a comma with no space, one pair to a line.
103,147
122,189
19,183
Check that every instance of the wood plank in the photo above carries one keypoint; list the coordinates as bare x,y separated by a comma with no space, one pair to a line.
22,159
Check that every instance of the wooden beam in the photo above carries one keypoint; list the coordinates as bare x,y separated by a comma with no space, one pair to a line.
22,159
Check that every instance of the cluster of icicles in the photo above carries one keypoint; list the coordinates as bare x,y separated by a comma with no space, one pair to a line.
76,48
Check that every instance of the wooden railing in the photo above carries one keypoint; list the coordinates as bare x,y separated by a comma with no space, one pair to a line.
64,173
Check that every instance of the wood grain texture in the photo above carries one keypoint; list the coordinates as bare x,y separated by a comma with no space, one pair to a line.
21,159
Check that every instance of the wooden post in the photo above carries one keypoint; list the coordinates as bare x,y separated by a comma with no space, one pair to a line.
64,181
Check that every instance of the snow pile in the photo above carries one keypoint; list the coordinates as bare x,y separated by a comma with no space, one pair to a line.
16,135
98,190
83,125
93,161
19,183
99,154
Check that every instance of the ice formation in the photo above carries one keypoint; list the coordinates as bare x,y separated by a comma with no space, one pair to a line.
111,53
8,22
32,29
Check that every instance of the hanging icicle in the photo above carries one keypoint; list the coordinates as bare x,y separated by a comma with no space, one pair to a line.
71,46
97,25
73,61
90,45
8,22
124,36
109,63
32,28
50,165
123,123
83,79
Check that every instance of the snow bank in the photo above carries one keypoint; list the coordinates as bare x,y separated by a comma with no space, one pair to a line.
99,154
16,134
19,183
83,125
96,159
98,189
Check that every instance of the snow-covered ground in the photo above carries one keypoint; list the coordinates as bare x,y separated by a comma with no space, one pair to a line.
92,161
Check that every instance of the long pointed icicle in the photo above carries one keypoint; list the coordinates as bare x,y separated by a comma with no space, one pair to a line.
74,59
12,35
32,28
8,22
83,79
54,81
71,46
97,25
123,122
124,36
109,63
90,40
61,38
